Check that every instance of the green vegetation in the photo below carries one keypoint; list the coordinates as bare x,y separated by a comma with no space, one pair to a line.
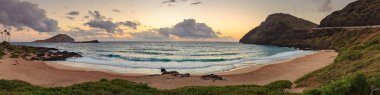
359,53
16,51
279,85
122,87
358,84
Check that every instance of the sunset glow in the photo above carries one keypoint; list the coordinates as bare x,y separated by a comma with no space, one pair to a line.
231,19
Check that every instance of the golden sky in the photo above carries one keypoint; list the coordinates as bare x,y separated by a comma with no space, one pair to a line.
232,18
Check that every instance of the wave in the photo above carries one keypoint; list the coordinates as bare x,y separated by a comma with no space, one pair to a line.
150,65
139,52
149,52
215,54
139,59
144,57
154,49
282,56
191,64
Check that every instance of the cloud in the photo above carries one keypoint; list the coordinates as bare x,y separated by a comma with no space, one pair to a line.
130,24
102,22
79,32
109,26
73,13
116,10
96,15
171,1
86,17
219,33
151,35
22,14
87,34
196,3
189,28
70,18
326,6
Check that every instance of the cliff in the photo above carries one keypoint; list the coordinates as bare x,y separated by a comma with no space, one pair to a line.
60,38
358,13
359,52
277,29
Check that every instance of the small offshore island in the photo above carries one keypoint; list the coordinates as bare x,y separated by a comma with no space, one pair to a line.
346,62
63,38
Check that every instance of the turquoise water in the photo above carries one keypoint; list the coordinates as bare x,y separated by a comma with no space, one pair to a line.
185,57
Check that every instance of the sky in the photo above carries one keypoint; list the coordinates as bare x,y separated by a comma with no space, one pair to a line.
151,20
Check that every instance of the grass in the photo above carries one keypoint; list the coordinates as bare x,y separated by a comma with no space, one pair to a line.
358,84
16,51
359,53
123,87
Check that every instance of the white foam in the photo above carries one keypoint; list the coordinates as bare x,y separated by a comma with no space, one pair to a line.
183,67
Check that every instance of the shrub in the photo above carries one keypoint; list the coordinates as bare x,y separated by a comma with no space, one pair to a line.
14,55
2,53
356,85
348,55
360,85
220,90
279,85
341,87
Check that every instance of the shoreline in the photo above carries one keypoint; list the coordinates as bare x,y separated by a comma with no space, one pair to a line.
48,75
237,70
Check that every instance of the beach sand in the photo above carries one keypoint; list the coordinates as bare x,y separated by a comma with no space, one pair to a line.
54,75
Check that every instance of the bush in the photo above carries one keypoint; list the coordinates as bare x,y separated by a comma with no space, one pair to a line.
16,85
360,85
348,55
279,85
14,55
2,53
356,85
220,90
341,87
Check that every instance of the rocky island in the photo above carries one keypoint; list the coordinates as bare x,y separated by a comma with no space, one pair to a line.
63,38
60,38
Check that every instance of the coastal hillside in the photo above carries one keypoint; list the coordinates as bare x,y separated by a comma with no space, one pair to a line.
359,48
359,13
60,38
277,29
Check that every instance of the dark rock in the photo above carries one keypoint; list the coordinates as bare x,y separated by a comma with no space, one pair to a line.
358,13
163,70
277,29
60,38
173,73
52,54
212,77
93,41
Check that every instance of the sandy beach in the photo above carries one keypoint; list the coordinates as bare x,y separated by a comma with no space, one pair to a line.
48,75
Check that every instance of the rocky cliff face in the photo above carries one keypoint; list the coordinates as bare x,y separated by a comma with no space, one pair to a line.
277,29
60,38
359,13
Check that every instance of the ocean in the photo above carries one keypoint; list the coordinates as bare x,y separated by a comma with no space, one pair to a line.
184,57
